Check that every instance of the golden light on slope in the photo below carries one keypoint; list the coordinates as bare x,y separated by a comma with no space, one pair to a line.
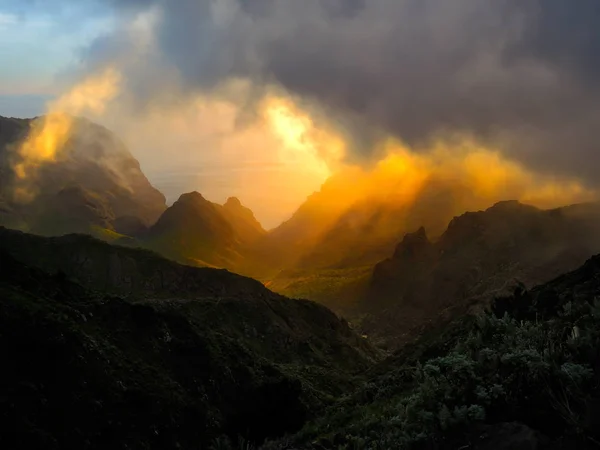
445,180
48,135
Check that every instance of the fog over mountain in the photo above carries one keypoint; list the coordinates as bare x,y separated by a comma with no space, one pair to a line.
518,74
297,90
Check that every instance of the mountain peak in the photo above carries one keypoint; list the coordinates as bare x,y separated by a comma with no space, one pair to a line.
510,205
233,202
506,203
414,245
193,196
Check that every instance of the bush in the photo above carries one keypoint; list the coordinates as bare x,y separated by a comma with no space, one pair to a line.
535,369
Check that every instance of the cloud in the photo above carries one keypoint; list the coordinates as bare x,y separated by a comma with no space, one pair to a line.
520,74
518,77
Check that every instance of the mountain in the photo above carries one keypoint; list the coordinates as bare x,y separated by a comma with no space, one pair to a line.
355,218
199,232
480,255
247,229
96,181
328,248
113,347
524,374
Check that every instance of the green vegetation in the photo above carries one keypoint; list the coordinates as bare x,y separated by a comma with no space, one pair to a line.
189,357
339,289
533,360
106,235
152,354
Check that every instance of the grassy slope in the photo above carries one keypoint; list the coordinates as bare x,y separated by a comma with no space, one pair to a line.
339,289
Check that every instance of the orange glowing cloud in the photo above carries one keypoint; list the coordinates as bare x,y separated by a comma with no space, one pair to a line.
302,142
462,175
48,135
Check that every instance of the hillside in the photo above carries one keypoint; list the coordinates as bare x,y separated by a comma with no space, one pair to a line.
198,232
480,255
95,183
109,347
524,375
352,224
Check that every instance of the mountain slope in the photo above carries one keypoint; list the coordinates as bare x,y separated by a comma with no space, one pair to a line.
199,232
247,229
524,375
95,165
480,255
353,223
121,348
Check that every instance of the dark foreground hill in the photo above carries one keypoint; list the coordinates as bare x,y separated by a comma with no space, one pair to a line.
525,375
109,347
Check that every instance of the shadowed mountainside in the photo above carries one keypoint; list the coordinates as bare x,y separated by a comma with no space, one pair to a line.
152,354
481,255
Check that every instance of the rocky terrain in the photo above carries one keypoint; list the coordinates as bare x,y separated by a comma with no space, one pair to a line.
481,255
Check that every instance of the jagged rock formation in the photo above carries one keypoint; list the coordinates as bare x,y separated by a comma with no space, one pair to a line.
480,255
107,346
96,181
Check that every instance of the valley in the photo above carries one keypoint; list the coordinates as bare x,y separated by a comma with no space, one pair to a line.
365,324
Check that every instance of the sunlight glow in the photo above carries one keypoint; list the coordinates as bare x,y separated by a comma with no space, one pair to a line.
49,135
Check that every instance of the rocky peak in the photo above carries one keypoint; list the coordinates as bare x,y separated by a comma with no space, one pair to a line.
191,197
233,203
414,246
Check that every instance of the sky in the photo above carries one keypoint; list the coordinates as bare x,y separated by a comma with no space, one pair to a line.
289,91
39,42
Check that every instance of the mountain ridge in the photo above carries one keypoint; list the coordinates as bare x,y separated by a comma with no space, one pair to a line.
199,232
480,255
154,353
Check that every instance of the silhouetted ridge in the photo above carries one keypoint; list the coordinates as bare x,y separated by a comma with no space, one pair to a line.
233,202
480,255
414,245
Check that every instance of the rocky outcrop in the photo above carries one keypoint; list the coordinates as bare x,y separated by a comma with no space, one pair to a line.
481,255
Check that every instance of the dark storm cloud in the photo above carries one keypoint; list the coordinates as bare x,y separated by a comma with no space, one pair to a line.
523,72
